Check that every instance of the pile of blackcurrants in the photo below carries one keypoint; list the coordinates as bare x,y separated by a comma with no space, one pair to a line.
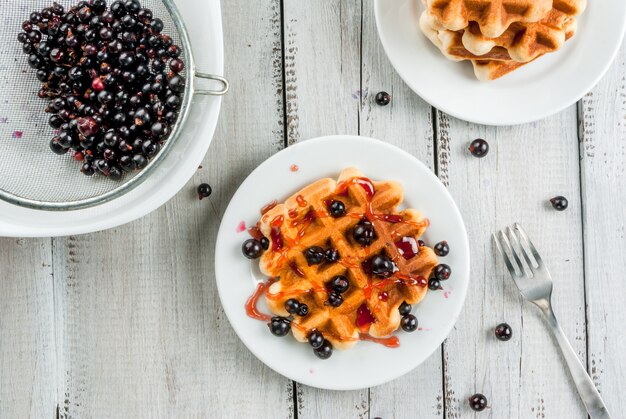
112,80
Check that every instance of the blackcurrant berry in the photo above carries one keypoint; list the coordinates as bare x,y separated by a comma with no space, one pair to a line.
316,339
336,209
442,249
404,308
382,98
325,351
314,255
503,332
479,148
559,203
252,249
408,323
204,190
478,402
279,326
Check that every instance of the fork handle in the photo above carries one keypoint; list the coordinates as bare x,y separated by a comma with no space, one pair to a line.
588,393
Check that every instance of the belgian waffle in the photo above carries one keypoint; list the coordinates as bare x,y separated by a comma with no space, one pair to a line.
492,16
486,70
303,221
521,43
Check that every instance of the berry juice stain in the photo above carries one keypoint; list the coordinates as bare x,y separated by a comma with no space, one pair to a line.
17,134
294,168
241,227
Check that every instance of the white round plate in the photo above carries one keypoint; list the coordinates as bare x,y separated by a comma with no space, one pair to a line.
204,23
367,364
534,91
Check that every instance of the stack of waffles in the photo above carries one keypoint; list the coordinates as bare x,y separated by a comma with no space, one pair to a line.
499,36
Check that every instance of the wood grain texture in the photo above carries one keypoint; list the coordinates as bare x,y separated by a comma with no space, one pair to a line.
526,165
128,323
323,82
27,349
603,174
322,67
142,331
407,123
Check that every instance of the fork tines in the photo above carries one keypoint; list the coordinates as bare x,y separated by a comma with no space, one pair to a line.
513,241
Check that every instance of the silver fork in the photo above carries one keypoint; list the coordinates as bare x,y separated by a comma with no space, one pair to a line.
535,284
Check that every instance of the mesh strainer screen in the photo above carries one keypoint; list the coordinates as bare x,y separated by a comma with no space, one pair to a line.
28,168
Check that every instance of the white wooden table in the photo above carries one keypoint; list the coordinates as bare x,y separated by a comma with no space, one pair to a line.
127,323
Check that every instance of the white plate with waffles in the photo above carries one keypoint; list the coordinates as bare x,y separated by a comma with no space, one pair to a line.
365,363
532,92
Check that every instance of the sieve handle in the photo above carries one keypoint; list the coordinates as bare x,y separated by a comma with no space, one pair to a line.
220,79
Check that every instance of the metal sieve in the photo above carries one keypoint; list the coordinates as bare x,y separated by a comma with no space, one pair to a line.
31,175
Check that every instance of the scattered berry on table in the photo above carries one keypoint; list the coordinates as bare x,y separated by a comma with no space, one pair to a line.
316,339
404,308
479,148
559,203
382,98
325,350
204,190
408,323
279,326
478,402
252,249
442,248
503,332
442,272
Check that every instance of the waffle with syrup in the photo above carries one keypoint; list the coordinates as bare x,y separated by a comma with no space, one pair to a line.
303,221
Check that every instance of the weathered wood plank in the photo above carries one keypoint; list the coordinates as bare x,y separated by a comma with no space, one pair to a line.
27,348
323,82
603,165
322,67
405,122
526,166
143,333
330,35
